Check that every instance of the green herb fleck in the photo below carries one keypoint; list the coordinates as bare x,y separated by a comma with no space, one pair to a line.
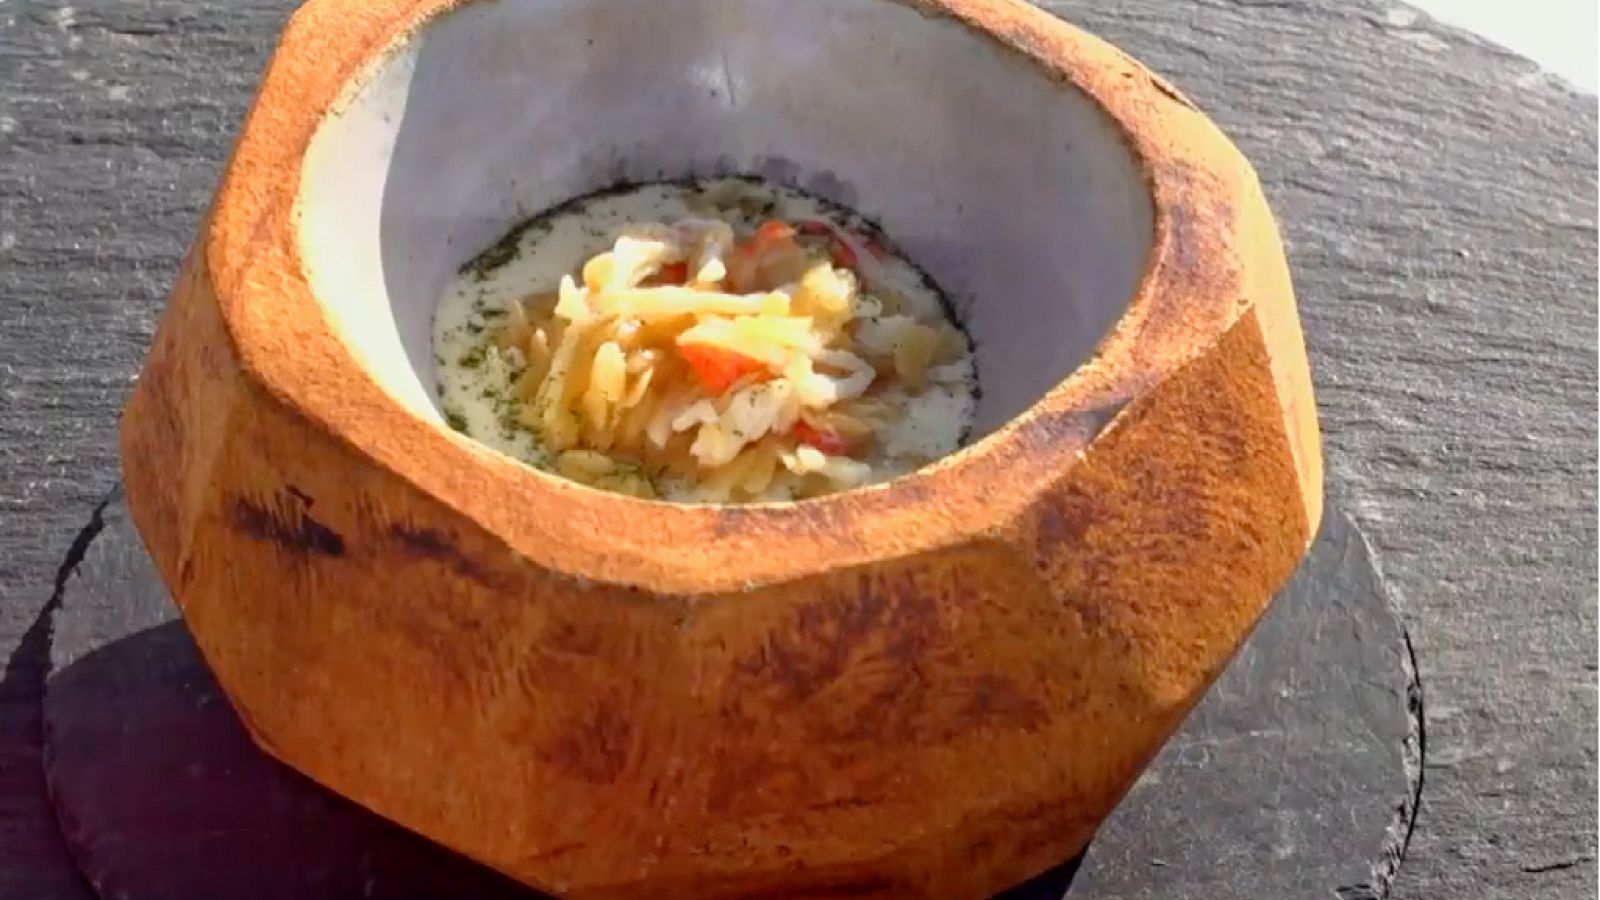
501,252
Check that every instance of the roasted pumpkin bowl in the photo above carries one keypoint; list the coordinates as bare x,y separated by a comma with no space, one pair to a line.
933,687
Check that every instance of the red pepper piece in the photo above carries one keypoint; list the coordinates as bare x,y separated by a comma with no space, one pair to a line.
839,251
673,273
718,369
828,442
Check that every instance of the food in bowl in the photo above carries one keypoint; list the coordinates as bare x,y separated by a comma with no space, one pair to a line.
725,341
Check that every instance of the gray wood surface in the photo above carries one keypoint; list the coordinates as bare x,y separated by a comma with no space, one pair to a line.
1438,198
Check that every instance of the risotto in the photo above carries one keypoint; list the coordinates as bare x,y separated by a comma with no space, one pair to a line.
717,342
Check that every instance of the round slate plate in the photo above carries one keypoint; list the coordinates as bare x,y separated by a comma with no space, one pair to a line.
1295,778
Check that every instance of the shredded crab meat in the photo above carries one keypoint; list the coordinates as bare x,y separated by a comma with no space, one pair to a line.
733,366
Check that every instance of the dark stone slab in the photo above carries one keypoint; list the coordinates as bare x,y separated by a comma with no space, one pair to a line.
1298,775
1294,779
1438,200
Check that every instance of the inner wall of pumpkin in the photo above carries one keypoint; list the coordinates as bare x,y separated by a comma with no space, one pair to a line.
1022,202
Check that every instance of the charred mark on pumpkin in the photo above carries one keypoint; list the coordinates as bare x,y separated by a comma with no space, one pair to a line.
1172,93
436,546
286,522
876,639
594,745
818,648
1197,202
565,636
1064,517
996,701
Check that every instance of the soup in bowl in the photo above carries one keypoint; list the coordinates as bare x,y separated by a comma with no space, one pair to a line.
704,341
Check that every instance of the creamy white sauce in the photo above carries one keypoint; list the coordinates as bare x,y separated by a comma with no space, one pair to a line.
474,378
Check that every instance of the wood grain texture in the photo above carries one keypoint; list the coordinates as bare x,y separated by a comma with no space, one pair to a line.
162,795
1438,201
